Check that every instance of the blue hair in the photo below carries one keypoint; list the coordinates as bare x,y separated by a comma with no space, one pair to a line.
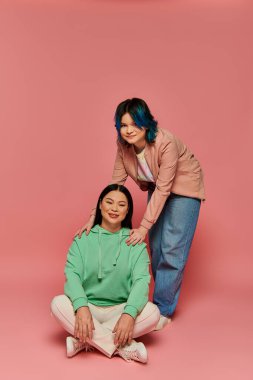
140,113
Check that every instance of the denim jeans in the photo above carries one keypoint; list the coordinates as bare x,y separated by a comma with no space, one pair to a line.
170,240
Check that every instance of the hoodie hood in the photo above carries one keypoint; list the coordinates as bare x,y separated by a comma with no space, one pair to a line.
97,229
117,237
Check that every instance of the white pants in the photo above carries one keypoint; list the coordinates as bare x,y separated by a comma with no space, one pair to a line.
104,318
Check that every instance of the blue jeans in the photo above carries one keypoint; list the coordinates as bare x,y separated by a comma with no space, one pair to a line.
170,240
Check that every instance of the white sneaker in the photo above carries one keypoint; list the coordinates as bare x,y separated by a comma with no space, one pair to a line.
135,351
163,321
73,346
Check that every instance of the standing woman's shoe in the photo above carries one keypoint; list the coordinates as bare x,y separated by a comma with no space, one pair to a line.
163,321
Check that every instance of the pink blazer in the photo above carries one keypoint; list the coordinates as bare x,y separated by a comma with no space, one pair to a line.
174,168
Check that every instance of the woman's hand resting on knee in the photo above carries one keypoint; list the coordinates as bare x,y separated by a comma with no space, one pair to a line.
83,324
124,330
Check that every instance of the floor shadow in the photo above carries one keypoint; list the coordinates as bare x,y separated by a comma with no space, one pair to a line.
57,338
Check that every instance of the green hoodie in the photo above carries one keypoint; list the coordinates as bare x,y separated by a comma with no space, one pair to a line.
103,270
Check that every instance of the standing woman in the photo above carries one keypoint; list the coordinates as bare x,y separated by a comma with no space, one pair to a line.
162,165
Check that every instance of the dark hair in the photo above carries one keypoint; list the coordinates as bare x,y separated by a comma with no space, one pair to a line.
140,113
127,222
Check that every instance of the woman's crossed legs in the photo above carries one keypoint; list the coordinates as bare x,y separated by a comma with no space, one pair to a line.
104,318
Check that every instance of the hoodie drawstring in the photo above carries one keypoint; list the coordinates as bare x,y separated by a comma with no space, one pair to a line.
118,252
100,253
99,256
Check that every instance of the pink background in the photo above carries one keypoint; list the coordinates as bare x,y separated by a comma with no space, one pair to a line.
64,67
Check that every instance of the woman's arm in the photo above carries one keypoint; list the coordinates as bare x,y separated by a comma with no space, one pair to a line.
164,182
74,269
166,175
119,174
73,288
137,298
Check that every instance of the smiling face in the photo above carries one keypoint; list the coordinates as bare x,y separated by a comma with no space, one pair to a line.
131,133
114,208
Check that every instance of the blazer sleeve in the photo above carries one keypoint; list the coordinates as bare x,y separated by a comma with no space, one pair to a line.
119,174
166,175
74,269
138,296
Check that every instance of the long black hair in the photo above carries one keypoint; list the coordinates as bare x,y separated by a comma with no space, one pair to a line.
127,222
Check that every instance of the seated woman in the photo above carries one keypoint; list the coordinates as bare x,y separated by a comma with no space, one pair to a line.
107,281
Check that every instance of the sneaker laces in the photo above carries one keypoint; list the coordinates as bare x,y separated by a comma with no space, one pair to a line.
83,346
128,355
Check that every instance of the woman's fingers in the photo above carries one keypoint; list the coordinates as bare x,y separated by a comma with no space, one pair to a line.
85,333
117,335
134,240
76,328
141,241
120,338
130,337
124,339
127,337
81,231
135,237
80,330
130,239
78,232
124,331
84,324
88,230
90,332
115,327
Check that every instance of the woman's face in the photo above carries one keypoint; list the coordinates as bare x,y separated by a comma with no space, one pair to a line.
130,132
114,208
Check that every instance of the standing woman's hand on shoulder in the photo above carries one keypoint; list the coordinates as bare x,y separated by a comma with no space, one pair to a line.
83,324
87,227
137,235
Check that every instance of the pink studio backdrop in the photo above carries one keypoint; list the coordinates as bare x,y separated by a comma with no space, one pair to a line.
64,67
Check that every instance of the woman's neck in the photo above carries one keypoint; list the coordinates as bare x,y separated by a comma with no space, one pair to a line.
138,148
109,227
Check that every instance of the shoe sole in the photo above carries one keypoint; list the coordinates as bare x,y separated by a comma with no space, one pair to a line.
144,353
69,347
